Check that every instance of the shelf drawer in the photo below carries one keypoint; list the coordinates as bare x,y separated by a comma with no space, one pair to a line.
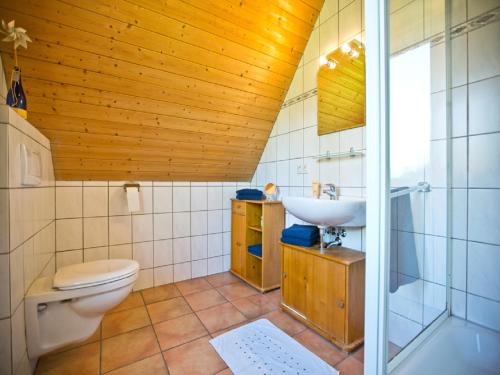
239,208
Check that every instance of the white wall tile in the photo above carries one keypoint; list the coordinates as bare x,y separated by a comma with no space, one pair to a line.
199,268
95,231
484,215
483,263
162,199
226,220
329,36
120,251
199,223
458,303
67,258
16,277
163,253
459,210
484,58
459,264
96,253
95,201
199,247
311,111
181,224
5,286
459,111
484,112
18,336
435,260
214,265
296,116
163,275
182,271
68,202
484,161
283,173
120,229
162,226
214,245
181,199
143,253
296,144
142,228
214,200
145,279
227,194
199,197
214,221
483,311
283,147
182,249
69,234
350,21
5,345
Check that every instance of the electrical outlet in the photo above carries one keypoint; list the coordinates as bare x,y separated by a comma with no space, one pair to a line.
299,169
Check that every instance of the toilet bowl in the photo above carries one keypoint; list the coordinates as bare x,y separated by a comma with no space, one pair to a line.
69,306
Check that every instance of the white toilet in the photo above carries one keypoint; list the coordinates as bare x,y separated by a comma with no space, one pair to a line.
69,306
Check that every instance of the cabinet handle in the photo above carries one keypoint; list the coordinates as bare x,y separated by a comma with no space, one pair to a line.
340,304
238,244
284,275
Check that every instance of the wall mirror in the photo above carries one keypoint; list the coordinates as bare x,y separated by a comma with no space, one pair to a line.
341,89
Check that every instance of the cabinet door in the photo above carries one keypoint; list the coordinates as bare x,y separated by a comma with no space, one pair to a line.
296,273
238,228
326,299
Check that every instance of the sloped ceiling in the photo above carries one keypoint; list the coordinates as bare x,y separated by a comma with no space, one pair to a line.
158,89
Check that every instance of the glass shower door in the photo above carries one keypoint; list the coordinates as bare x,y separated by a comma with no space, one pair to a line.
412,187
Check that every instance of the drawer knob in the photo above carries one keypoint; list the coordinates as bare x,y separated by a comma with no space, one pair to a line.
340,304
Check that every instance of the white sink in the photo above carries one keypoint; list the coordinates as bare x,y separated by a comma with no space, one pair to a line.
324,213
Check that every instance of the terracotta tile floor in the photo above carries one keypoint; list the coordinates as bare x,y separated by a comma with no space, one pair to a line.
165,330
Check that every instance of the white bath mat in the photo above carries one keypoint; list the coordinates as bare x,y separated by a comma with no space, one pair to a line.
260,348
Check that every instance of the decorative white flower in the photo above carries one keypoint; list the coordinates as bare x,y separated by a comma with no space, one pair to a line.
15,34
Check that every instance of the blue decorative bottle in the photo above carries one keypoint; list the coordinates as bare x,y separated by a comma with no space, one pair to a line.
15,97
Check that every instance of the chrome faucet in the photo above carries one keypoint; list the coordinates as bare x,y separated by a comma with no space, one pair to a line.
331,191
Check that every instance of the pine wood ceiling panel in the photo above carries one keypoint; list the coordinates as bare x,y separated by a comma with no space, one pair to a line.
158,90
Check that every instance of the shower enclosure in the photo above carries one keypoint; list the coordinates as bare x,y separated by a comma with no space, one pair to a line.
420,75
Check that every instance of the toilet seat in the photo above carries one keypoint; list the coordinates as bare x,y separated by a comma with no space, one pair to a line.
93,273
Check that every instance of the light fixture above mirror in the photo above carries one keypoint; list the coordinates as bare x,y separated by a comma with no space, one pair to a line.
341,88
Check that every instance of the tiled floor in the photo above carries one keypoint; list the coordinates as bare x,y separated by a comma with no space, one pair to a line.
165,330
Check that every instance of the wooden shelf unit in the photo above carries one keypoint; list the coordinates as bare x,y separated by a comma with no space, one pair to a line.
252,223
326,291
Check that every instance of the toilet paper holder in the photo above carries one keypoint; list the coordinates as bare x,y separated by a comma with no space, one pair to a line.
126,186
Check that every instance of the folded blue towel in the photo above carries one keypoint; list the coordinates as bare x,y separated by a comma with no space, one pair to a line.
249,191
255,250
304,232
249,197
298,241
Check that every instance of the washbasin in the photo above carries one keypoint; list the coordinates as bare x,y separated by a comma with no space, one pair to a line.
348,212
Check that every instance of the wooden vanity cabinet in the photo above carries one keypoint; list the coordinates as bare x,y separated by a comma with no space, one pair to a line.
257,222
326,291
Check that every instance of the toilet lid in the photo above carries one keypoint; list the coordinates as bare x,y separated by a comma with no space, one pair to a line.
94,273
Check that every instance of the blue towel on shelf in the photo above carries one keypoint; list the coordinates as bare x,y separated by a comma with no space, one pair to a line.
302,232
255,250
249,191
299,241
248,197
249,194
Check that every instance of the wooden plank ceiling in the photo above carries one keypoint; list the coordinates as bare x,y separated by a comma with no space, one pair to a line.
158,89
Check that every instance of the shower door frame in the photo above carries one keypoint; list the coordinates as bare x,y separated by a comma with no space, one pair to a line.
378,190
